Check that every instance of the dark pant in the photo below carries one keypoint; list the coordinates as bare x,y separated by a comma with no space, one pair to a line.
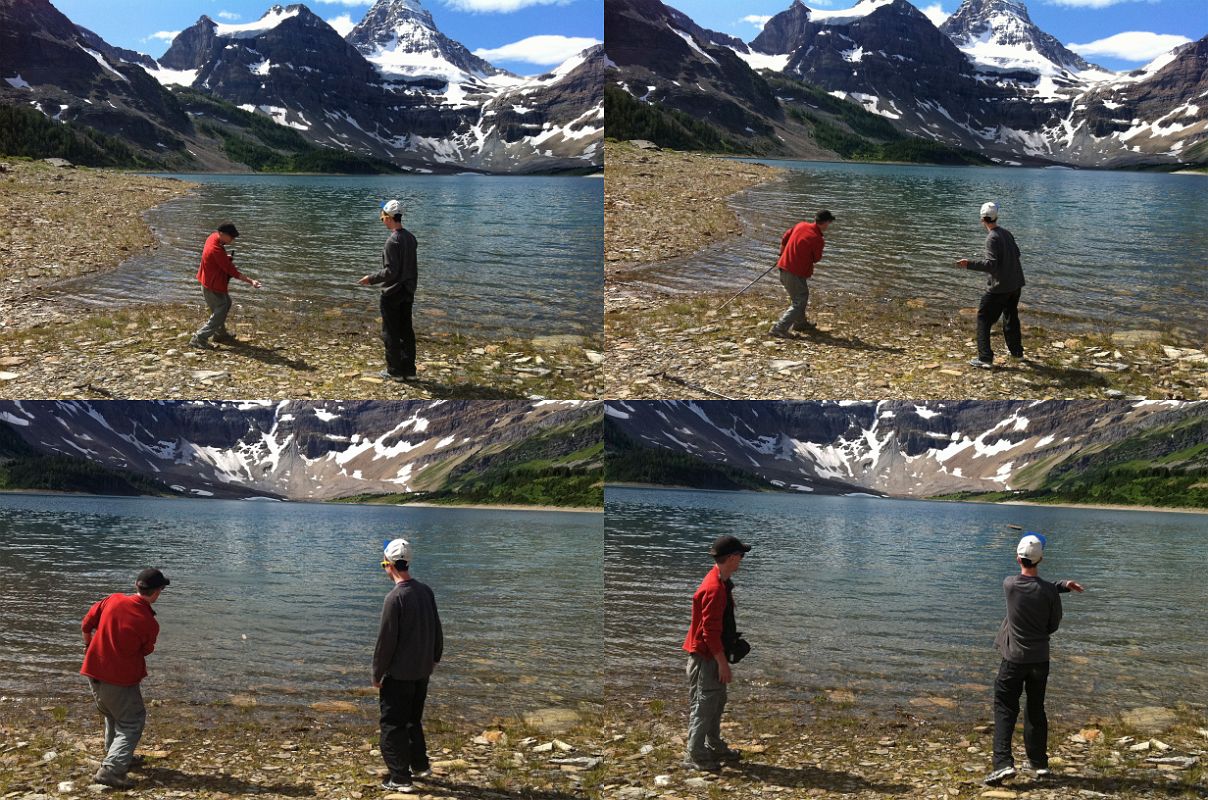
1011,681
397,334
992,307
403,746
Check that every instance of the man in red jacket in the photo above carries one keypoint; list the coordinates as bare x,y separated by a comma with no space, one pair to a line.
215,273
710,634
800,249
119,633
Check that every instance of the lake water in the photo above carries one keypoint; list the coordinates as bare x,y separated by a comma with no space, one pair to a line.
497,255
1120,249
519,596
899,600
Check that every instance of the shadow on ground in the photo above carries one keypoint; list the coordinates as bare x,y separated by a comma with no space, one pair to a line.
165,778
815,778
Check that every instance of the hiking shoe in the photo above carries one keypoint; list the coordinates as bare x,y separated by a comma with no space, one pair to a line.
107,777
692,765
391,785
779,333
977,362
225,338
412,378
200,343
421,773
998,776
137,762
726,754
805,327
1041,772
390,376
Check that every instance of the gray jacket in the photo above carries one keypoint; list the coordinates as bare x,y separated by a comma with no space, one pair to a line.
410,640
1033,615
1005,273
399,273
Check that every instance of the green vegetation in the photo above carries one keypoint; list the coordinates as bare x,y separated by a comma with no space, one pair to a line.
1166,467
561,466
900,147
64,474
630,462
29,133
625,117
265,146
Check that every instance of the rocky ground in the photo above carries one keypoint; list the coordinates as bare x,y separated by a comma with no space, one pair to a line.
329,750
681,346
824,749
54,229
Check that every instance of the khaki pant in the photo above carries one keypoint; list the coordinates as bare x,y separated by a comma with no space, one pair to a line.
125,717
707,701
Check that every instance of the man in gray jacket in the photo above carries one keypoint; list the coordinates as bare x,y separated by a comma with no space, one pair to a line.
1033,615
409,645
1004,281
398,277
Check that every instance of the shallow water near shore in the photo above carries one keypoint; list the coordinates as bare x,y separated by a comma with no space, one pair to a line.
497,255
1115,250
895,603
280,601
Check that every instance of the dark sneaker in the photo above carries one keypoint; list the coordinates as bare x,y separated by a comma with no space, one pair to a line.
779,333
998,776
726,754
200,343
421,773
225,338
390,376
977,362
412,378
692,765
137,762
1041,772
805,327
405,786
107,777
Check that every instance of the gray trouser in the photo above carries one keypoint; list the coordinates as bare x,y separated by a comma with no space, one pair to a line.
707,701
220,306
799,297
125,717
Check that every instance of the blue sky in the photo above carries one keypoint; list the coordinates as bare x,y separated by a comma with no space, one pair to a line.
489,25
1082,22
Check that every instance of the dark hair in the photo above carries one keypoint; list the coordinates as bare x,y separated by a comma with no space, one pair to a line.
1027,562
401,565
146,591
990,219
824,216
229,229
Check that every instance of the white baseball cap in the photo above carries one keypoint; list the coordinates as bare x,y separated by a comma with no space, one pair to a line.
989,210
392,208
1031,547
397,550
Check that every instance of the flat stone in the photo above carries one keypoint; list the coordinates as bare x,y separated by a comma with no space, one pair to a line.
552,720
451,765
335,707
13,361
1149,719
9,376
594,357
1001,793
1133,338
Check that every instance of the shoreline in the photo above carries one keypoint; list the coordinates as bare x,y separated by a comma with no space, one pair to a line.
1098,506
498,507
471,506
662,344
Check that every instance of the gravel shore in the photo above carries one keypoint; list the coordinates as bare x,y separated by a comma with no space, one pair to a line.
665,345
63,223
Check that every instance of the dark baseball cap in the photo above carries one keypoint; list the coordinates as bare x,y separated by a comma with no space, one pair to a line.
151,578
824,216
725,545
229,229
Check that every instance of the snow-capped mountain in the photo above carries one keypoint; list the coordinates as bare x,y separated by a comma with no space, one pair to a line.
989,80
892,447
296,450
401,39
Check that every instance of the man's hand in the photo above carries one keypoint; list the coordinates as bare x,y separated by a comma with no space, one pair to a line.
723,672
364,281
377,684
255,283
963,263
1074,586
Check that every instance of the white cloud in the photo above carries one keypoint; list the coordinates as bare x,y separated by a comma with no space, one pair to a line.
500,5
758,20
343,24
230,16
1131,45
166,36
935,13
542,50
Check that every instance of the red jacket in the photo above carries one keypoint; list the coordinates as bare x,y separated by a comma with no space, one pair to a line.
217,268
708,613
801,249
125,634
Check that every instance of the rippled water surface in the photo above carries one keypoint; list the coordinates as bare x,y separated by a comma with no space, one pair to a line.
1117,248
518,255
899,601
519,596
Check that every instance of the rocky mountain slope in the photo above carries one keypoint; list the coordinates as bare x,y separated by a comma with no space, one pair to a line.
900,448
989,80
304,450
